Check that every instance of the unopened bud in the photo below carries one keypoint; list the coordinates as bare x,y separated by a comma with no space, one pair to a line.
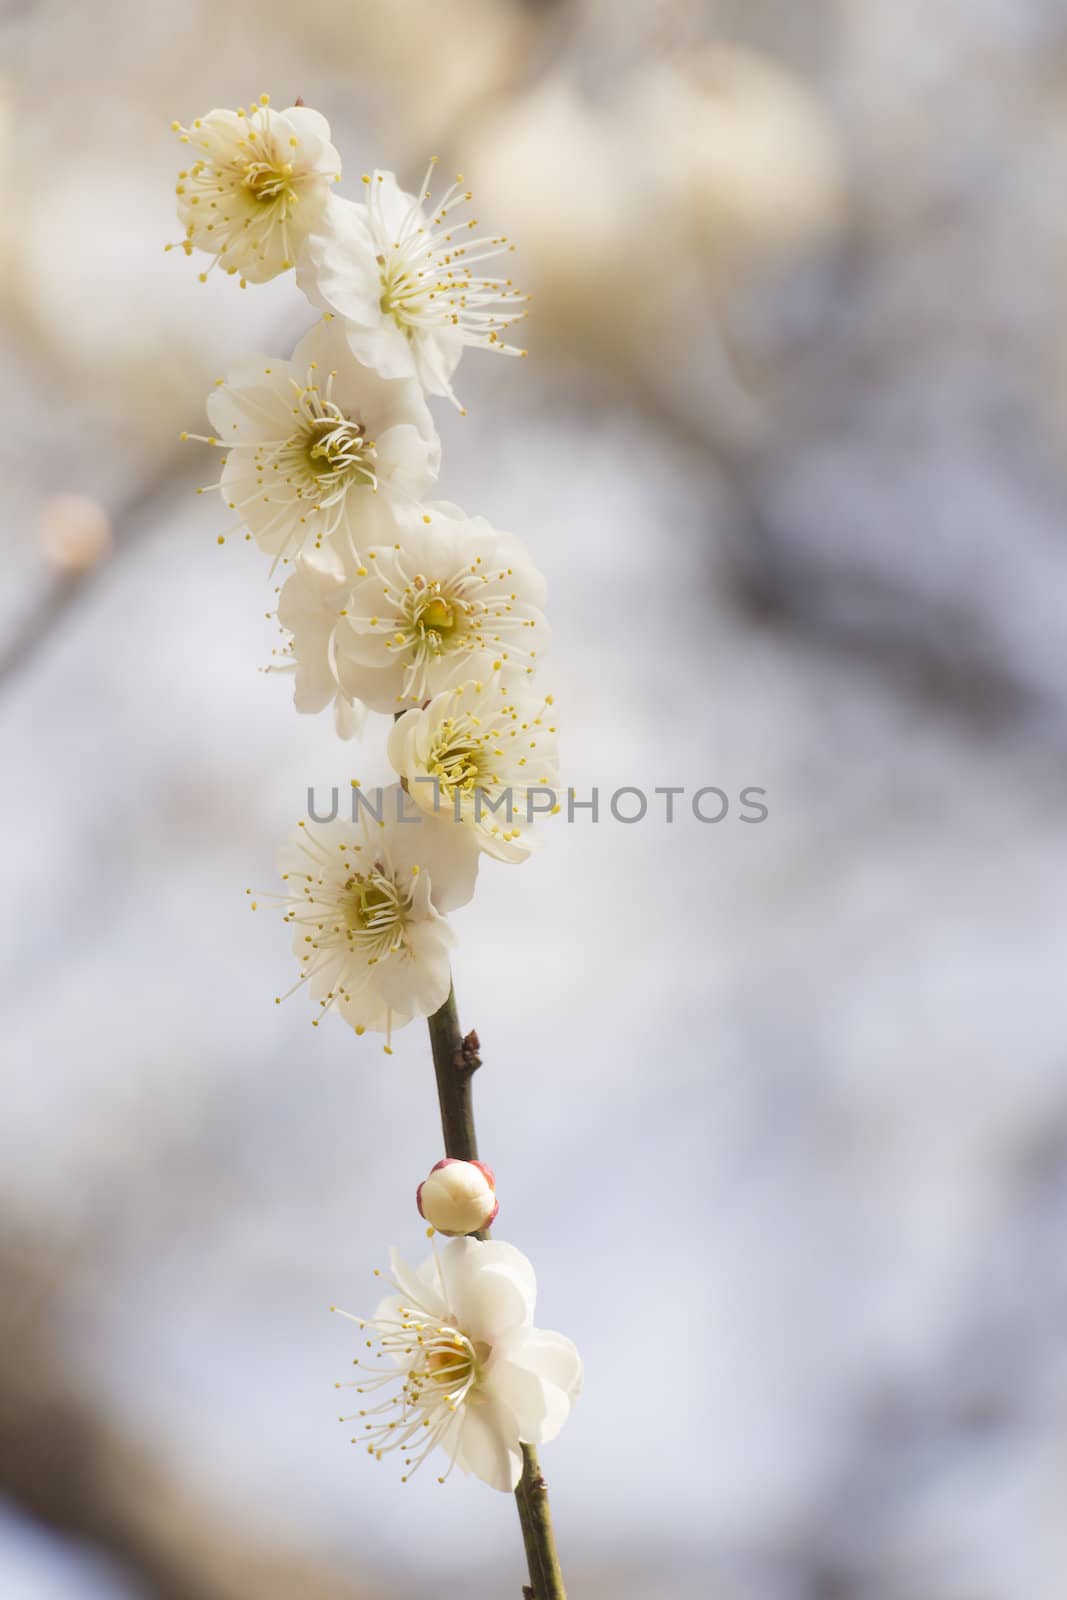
75,532
458,1196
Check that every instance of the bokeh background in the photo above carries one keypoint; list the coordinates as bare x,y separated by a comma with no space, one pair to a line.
780,1111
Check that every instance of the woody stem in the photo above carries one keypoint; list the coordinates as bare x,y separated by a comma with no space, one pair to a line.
455,1061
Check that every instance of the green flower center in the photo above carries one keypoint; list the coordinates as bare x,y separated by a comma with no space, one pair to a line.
462,766
403,296
335,448
369,905
269,181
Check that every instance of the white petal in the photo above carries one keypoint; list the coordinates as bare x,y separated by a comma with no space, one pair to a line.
374,686
489,1446
401,754
436,357
552,1355
363,1007
337,270
380,345
540,1408
393,203
491,1287
418,984
419,1291
348,716
362,393
312,127
442,848
539,1374
404,462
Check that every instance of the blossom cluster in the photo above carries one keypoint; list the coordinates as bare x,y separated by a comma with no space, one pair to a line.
392,601
400,604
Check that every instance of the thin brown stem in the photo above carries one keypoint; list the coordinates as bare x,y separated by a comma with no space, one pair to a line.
535,1516
455,1061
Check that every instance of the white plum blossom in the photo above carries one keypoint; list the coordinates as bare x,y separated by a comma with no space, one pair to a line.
365,900
450,600
406,606
447,599
458,1196
319,450
258,183
407,282
478,754
461,1366
310,603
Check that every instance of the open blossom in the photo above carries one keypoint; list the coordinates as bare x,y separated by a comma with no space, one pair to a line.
319,449
446,599
259,182
467,1371
365,901
408,281
479,754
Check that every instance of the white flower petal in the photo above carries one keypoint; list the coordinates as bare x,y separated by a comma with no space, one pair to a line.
348,715
540,1408
537,1373
491,1287
552,1355
489,1446
302,466
418,983
500,1382
308,125
409,301
497,746
370,942
255,187
416,1291
445,851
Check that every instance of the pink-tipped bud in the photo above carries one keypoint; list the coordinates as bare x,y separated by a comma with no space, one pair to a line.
458,1196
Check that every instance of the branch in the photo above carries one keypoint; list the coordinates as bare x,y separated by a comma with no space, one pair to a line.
72,1465
455,1061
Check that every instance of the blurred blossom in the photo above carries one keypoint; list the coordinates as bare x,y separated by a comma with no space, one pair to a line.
75,532
556,170
632,212
437,59
90,288
7,232
749,164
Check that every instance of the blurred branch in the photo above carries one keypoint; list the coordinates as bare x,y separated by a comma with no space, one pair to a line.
39,621
174,472
71,1467
131,521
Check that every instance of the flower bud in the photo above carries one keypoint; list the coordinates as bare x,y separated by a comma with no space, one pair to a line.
458,1196
75,532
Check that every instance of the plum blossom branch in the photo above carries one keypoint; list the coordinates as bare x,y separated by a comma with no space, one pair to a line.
456,1058
535,1518
395,603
